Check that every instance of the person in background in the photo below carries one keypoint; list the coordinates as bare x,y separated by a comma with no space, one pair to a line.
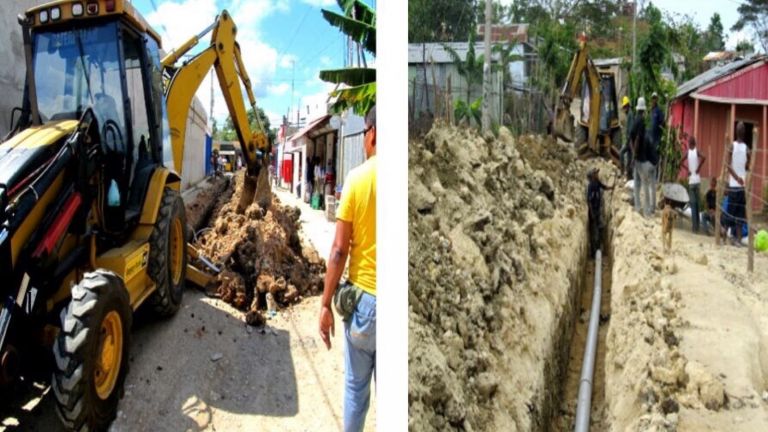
708,217
657,123
693,162
644,168
737,162
595,209
355,236
626,150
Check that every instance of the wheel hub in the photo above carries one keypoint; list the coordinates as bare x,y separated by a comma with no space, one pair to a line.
110,354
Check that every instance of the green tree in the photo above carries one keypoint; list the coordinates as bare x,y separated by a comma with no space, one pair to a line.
754,13
228,133
439,20
745,47
359,23
714,40
653,55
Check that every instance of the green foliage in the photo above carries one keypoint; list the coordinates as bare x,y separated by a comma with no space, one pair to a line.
468,111
714,40
359,23
228,133
670,155
745,47
471,68
754,14
440,20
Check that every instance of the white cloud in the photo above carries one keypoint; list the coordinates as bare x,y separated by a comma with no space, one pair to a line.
288,60
278,90
182,19
320,3
325,61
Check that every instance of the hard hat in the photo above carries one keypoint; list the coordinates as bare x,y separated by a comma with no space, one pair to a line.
655,95
640,104
624,101
761,241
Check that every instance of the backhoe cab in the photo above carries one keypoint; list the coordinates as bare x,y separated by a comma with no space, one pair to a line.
597,131
92,224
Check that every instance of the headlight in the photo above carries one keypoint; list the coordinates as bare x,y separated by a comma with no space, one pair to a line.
55,13
43,17
77,9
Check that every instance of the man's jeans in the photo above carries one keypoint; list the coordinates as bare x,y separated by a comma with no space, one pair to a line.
359,362
645,179
694,195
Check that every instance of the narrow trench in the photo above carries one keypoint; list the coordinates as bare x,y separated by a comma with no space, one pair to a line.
565,415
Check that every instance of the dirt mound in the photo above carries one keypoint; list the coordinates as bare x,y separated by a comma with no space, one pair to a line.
496,236
198,210
261,255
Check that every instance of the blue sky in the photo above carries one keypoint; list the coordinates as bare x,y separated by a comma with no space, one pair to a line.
280,40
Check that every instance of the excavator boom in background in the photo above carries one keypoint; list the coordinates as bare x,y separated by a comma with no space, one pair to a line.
92,224
597,131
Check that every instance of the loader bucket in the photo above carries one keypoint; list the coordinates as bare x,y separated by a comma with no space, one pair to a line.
563,124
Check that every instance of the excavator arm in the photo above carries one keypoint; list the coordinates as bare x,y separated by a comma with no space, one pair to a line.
223,54
581,65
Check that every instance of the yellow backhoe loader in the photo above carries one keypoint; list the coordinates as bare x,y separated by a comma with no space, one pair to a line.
92,224
597,131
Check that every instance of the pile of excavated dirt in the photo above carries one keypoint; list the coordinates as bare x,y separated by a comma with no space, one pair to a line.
497,248
260,254
198,210
687,346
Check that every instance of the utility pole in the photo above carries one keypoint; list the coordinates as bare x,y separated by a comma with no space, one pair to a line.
634,35
487,70
212,98
293,76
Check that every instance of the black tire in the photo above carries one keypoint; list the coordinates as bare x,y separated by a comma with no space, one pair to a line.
77,349
166,299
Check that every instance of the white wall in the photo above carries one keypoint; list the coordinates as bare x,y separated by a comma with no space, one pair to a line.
194,151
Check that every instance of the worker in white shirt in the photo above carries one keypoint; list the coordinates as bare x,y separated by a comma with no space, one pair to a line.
738,161
693,163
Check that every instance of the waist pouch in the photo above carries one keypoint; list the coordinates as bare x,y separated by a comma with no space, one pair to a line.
345,299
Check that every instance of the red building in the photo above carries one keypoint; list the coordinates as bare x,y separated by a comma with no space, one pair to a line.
709,106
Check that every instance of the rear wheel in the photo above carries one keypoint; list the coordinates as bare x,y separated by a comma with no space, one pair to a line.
168,255
91,352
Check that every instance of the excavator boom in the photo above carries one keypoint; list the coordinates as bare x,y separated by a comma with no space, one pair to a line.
223,54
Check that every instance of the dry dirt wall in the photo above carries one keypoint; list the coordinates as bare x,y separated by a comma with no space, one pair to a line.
496,246
686,344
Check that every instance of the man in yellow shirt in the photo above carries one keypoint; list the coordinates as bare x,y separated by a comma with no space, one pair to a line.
356,237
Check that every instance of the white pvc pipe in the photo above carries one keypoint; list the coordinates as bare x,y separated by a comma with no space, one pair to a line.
584,403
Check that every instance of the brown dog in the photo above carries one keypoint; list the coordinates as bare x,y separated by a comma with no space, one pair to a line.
667,224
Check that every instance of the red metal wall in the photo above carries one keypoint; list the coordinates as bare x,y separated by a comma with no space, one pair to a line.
748,83
714,134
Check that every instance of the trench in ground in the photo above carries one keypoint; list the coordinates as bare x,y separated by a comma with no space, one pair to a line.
565,391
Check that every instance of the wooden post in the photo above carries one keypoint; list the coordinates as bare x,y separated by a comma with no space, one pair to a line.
449,102
748,192
720,187
434,86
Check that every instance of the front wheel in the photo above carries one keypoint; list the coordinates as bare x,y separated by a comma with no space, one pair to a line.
168,255
91,352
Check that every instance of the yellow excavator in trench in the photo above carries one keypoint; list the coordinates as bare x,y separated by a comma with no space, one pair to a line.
597,132
92,225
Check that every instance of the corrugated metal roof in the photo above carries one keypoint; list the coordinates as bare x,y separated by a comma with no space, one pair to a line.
437,53
607,61
714,74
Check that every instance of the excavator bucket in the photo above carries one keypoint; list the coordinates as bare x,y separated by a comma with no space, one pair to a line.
256,188
563,124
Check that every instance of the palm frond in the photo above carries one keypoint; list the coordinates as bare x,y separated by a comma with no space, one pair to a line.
349,76
361,32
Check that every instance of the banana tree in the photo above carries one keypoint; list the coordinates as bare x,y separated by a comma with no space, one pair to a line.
355,86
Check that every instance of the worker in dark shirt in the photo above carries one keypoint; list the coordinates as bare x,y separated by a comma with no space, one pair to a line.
657,121
595,209
708,217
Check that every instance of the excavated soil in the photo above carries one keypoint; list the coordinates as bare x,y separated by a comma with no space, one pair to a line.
497,250
198,210
264,264
687,348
